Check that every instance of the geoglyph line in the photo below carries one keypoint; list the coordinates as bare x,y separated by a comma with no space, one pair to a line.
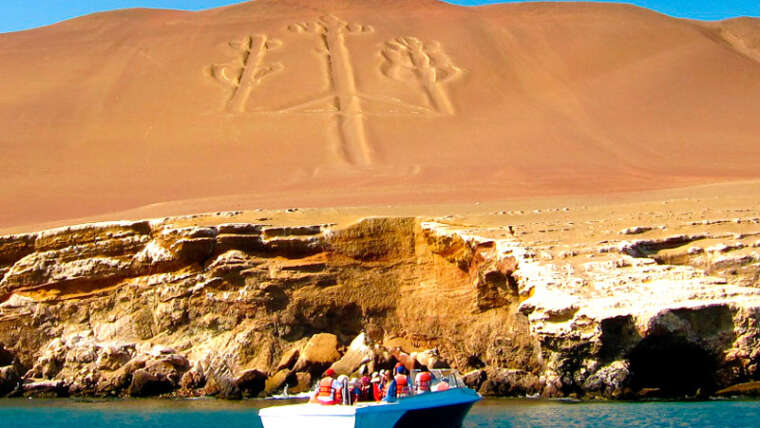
243,78
353,145
423,65
409,59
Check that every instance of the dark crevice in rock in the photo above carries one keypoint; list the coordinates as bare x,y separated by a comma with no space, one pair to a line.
307,318
475,362
252,382
276,298
671,366
652,247
6,357
619,336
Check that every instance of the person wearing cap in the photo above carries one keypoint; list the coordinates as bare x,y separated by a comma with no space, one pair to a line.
402,382
398,387
327,393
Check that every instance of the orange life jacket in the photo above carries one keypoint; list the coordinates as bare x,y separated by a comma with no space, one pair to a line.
326,394
424,380
402,386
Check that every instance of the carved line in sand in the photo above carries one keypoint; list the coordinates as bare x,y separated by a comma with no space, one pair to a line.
353,145
406,59
409,59
248,71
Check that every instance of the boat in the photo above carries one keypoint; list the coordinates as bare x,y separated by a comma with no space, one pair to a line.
441,409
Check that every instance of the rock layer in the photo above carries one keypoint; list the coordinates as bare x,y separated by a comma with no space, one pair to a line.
162,308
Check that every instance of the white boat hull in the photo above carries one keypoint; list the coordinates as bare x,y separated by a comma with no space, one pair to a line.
445,409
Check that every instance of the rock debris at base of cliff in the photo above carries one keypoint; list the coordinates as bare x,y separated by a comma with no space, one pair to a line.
233,308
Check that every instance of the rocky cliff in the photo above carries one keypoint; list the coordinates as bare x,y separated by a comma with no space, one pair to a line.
178,306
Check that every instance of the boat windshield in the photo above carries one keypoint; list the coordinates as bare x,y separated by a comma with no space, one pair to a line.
451,377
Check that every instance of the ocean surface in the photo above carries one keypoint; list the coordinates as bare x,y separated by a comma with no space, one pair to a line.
207,413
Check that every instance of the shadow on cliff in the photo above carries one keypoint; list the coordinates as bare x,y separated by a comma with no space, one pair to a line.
305,318
681,355
671,366
6,358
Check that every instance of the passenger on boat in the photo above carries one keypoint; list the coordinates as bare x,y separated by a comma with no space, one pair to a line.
443,385
398,387
365,389
356,389
389,391
402,383
386,379
404,359
377,387
343,394
423,381
326,393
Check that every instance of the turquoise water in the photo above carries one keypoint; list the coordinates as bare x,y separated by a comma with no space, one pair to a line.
489,413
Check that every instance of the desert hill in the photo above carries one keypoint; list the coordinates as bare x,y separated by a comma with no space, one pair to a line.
280,103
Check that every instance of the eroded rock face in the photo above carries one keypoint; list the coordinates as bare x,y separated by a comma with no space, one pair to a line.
359,352
238,310
510,382
146,384
319,353
631,321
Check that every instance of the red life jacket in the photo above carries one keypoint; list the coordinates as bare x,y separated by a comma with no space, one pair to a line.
377,391
424,380
402,386
338,395
365,389
326,394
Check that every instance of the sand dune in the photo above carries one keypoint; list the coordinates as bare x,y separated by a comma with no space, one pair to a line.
278,103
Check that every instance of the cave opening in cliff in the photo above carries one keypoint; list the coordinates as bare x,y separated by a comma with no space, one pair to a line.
672,367
6,358
619,335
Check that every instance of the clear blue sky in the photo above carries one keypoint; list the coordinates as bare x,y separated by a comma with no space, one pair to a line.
22,14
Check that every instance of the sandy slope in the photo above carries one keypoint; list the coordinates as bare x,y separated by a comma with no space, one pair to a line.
124,109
